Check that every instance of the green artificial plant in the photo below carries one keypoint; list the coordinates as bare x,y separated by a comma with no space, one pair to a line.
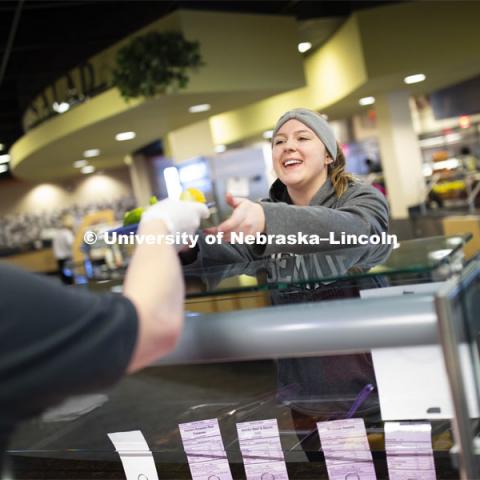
150,63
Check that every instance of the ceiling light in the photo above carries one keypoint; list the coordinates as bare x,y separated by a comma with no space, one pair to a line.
203,107
418,77
304,47
268,134
3,168
92,152
367,101
4,158
122,136
220,148
2,146
80,163
88,169
61,107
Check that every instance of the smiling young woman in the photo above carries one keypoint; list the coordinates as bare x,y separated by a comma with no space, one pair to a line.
315,196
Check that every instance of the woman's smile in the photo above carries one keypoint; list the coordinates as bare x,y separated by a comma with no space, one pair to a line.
292,163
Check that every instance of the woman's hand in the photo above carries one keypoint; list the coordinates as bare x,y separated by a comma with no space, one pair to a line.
247,217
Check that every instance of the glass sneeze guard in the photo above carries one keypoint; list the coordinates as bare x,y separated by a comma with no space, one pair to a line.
412,257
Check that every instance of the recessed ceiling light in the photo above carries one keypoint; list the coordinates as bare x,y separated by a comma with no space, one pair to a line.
268,134
88,169
367,101
61,107
122,136
80,163
3,168
203,107
418,77
92,152
4,158
304,47
220,148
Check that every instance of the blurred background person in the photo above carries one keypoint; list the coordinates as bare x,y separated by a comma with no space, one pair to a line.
62,249
375,175
469,161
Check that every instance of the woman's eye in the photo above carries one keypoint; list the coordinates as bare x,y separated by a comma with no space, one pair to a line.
277,142
303,138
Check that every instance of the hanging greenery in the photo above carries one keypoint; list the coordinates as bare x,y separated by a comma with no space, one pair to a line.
152,62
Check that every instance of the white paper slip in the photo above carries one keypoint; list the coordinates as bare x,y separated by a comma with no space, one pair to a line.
203,445
346,449
136,457
409,451
416,288
419,389
261,450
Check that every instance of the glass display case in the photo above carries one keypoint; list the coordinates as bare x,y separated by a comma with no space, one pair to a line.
279,360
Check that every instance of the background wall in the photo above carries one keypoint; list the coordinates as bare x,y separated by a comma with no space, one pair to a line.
24,197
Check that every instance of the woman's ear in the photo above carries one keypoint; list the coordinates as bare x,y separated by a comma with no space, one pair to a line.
328,159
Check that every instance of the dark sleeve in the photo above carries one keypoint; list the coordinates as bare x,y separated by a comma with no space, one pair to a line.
57,341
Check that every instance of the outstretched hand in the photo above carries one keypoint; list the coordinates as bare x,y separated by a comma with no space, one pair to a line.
247,217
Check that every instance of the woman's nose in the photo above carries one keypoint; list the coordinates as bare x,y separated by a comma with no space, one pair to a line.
289,145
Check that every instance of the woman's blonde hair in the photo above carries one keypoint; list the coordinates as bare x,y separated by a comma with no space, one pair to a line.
336,171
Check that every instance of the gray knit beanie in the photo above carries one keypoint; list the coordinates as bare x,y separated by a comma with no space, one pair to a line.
313,121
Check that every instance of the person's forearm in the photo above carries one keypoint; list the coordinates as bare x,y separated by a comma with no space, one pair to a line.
154,283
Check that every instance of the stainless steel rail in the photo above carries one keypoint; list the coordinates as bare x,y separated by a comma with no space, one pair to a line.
451,335
309,329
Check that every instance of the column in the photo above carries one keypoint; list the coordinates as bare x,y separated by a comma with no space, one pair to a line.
400,153
189,142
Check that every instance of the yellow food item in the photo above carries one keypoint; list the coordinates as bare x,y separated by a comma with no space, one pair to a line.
153,200
193,195
449,186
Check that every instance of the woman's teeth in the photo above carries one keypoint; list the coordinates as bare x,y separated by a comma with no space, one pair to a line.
288,163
